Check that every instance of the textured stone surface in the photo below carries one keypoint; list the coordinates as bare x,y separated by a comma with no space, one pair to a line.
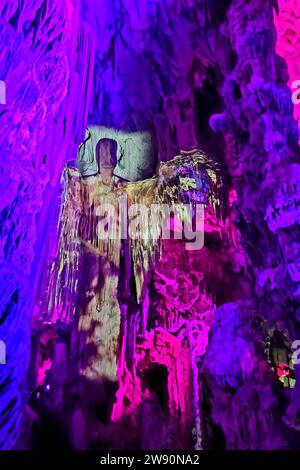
38,132
192,73
287,24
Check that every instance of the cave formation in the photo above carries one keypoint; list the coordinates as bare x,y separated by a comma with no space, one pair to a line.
149,343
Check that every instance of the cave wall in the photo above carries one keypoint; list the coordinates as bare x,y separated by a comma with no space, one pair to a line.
287,45
205,75
46,62
156,69
228,94
259,118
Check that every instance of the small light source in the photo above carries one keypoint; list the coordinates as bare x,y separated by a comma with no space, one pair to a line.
283,370
2,92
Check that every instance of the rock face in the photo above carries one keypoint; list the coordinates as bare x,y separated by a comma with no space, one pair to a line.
189,366
287,24
41,125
